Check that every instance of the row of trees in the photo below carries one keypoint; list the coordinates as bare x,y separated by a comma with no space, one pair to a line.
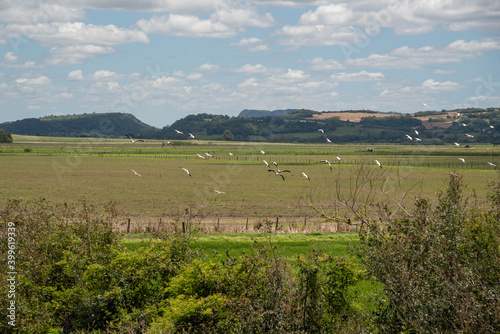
298,126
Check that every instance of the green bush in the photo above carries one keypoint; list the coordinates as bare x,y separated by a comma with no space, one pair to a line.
440,267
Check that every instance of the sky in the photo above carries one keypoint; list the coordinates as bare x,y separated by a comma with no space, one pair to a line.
162,60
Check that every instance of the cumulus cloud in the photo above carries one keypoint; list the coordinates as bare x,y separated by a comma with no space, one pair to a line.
320,64
318,35
11,60
253,44
75,75
60,55
251,69
432,85
73,33
209,67
359,76
417,58
185,26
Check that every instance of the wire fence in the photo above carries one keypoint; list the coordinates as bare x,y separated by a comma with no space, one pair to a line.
417,161
230,225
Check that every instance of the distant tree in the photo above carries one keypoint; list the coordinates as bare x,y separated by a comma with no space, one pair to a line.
227,135
5,137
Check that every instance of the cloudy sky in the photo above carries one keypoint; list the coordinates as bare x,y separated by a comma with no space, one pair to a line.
164,59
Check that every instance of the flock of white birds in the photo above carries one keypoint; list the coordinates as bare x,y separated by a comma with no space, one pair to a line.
279,172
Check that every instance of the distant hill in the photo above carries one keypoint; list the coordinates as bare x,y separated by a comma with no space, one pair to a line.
263,113
82,125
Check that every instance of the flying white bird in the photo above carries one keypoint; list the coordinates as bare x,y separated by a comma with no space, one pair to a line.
184,169
192,136
417,139
425,105
219,192
305,175
461,159
321,130
327,162
167,143
417,132
267,164
230,154
492,164
469,136
492,127
262,152
133,140
209,155
456,144
136,172
276,173
378,163
178,132
458,114
409,137
338,158
200,156
328,140
463,124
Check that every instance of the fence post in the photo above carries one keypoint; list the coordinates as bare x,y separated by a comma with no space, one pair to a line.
277,220
183,227
159,225
128,226
305,223
246,226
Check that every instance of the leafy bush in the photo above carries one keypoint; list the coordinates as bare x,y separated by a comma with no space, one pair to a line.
440,267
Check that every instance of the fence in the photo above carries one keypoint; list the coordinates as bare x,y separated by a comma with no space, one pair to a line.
404,161
218,225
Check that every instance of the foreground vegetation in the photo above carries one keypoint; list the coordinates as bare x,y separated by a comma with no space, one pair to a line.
438,265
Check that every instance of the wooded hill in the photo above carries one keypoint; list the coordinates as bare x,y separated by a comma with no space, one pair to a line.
350,126
434,127
82,125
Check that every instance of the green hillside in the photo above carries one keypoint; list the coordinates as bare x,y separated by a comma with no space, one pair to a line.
82,125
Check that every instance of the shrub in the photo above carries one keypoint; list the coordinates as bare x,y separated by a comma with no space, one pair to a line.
440,267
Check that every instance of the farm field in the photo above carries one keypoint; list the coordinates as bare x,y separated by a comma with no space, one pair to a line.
100,170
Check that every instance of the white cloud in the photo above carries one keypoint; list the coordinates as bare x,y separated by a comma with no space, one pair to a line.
441,71
242,17
251,69
432,85
41,80
209,67
411,58
76,54
359,76
318,35
72,33
34,12
11,60
75,75
194,76
320,64
106,75
332,14
185,26
253,44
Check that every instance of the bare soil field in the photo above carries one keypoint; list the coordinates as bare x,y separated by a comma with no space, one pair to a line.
349,116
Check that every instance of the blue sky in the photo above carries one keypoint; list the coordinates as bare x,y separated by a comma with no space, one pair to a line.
162,60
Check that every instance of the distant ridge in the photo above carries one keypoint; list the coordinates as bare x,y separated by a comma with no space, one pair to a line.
263,113
81,125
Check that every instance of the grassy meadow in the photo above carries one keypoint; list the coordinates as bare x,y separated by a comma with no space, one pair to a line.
100,170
